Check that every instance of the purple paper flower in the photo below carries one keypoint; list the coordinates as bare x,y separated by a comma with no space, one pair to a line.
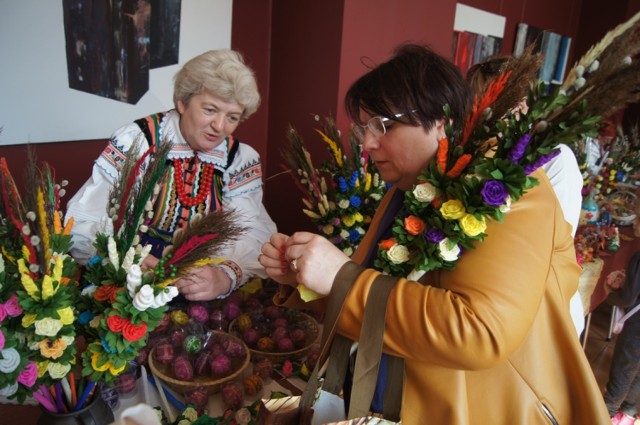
3,313
433,235
530,168
518,150
28,375
494,193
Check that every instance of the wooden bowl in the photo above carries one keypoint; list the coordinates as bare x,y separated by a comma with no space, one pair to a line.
302,320
213,385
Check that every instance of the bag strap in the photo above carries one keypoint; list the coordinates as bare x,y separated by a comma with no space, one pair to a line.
631,312
335,303
369,354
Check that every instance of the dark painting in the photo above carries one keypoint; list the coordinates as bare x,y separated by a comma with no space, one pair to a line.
107,44
165,32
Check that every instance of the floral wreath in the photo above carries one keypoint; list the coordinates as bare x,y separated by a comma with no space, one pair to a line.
484,166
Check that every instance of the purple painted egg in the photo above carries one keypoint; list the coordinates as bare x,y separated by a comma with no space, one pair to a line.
164,353
182,368
220,365
198,313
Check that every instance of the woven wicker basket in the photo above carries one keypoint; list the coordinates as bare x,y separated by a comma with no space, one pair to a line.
308,323
212,385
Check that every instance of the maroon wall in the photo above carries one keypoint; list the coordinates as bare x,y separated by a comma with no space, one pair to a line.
307,53
71,161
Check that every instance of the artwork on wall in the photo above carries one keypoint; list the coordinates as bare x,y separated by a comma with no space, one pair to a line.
477,36
554,47
165,32
109,44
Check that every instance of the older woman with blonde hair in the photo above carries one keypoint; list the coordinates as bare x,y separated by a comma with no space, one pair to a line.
207,170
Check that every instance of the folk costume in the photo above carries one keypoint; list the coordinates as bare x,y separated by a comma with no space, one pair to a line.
227,177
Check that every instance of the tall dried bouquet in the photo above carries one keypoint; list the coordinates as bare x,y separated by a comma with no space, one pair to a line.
38,287
121,303
340,196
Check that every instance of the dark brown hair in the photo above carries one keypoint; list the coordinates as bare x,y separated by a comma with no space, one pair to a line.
414,79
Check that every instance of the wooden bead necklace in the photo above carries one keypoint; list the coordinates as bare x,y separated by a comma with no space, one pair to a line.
205,187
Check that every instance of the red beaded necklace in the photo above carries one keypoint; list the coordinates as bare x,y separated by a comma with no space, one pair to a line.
205,187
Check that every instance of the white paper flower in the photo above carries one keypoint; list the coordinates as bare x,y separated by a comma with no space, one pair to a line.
424,192
448,251
134,279
58,370
48,326
165,296
112,250
506,207
10,360
127,262
144,298
398,254
9,390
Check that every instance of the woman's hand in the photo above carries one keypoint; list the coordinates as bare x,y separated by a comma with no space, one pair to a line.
149,262
274,262
203,283
315,261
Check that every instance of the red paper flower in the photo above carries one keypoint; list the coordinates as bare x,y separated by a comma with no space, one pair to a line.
116,323
133,332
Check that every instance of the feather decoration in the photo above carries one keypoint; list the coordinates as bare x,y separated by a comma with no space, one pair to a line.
130,173
153,173
206,238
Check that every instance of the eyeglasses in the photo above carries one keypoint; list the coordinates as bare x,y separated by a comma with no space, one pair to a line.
377,125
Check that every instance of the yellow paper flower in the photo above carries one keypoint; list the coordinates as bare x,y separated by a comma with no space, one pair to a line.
57,268
348,220
28,320
66,315
42,368
471,226
29,285
452,210
52,350
48,288
95,357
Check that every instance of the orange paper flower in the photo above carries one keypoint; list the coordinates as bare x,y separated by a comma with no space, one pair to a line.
413,225
387,244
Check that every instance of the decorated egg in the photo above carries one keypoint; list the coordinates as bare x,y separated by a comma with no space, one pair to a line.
232,396
263,368
220,365
164,353
192,344
198,313
182,368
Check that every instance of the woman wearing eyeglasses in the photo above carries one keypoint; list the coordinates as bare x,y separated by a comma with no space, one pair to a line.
483,338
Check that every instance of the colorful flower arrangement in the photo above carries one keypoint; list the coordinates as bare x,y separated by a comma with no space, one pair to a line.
37,286
485,164
120,303
342,209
